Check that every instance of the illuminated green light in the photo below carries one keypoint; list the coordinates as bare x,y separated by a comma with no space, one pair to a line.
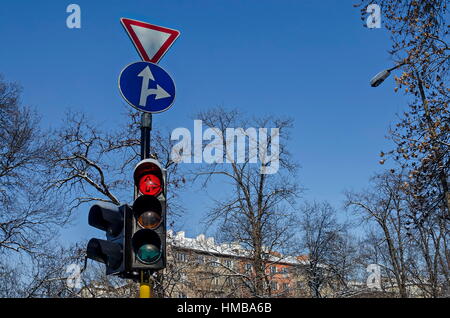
148,253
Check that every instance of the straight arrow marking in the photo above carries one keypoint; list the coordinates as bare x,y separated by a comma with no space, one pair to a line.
159,92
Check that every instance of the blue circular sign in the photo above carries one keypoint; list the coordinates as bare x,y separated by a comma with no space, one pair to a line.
147,87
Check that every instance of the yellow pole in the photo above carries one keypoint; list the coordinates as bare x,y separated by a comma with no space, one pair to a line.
145,287
145,290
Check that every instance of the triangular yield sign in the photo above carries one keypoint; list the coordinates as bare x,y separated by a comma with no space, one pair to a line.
151,41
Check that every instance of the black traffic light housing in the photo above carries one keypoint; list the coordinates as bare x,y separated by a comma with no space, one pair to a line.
146,241
111,219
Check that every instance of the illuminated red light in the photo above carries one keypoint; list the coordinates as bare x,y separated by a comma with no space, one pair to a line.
150,185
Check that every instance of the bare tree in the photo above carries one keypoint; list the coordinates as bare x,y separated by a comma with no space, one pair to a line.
430,268
328,246
428,234
386,207
46,272
412,250
96,164
96,284
29,213
257,210
10,284
419,34
64,272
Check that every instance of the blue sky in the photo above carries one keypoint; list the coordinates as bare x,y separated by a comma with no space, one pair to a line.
311,60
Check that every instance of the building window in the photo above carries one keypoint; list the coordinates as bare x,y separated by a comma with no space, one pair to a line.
229,283
273,269
274,285
200,259
215,281
248,267
285,286
181,257
214,262
300,285
229,263
182,295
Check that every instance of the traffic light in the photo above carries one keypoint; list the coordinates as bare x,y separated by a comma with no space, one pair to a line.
109,218
147,223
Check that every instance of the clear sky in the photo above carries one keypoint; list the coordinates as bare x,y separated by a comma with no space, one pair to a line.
308,59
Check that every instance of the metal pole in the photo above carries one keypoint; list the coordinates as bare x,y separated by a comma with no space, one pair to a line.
146,127
145,287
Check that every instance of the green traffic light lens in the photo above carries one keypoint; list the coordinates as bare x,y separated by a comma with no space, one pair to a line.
148,253
147,246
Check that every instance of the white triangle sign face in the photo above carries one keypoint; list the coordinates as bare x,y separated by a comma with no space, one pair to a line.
151,41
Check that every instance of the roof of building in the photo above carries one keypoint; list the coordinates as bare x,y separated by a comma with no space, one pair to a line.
207,245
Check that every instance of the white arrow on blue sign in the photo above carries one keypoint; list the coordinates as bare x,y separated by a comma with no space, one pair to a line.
147,87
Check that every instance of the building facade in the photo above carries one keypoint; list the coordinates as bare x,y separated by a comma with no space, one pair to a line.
198,267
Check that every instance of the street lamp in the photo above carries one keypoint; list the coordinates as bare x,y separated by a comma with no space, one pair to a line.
380,77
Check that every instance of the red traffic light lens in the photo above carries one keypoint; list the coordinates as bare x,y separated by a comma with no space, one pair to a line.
150,184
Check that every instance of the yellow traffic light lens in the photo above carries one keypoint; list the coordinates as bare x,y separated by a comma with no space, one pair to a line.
148,253
149,220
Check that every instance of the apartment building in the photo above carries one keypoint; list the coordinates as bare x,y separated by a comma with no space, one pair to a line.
199,267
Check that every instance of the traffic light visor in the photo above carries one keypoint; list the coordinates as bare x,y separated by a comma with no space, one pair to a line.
106,217
105,252
147,246
148,177
147,210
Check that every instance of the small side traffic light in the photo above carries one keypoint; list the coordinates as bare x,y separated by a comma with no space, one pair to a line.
108,218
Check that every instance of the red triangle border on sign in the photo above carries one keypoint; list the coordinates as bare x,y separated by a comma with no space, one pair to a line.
127,23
